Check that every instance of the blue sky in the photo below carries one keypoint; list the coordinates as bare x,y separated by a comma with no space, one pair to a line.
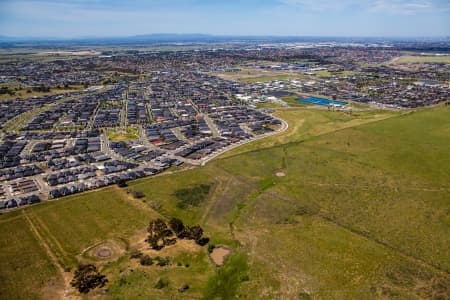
75,18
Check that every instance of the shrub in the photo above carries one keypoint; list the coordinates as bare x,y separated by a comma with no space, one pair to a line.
224,284
202,241
183,288
138,194
161,262
161,283
146,260
136,254
122,183
304,296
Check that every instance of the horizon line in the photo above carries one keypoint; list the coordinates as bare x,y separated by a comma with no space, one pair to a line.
220,36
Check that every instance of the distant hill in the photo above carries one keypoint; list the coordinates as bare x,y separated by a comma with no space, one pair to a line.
422,44
198,37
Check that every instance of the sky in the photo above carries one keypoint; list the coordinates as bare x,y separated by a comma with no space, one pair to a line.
113,18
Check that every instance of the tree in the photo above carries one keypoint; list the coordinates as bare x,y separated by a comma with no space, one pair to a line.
122,183
196,232
157,228
176,225
158,232
169,241
202,241
87,277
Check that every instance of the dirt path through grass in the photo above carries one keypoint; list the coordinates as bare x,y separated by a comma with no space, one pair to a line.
66,278
220,189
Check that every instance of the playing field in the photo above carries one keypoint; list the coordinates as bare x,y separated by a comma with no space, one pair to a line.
361,212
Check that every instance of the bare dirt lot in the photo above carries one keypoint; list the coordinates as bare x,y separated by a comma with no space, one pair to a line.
219,254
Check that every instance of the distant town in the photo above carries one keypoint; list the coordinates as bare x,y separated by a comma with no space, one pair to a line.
78,120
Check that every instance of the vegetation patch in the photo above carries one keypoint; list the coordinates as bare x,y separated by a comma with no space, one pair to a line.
192,196
225,283
12,91
266,183
419,281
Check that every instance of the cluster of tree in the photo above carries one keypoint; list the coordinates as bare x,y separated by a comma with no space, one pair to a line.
186,232
41,89
161,234
87,277
122,183
6,90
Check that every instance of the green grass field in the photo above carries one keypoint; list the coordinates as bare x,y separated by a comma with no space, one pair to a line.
422,59
338,74
27,93
25,269
267,78
361,213
120,135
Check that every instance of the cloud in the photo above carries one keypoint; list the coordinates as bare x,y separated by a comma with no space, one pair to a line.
402,6
276,17
320,5
374,6
87,11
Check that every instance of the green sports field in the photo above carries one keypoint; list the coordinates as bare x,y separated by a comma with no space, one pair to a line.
337,207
